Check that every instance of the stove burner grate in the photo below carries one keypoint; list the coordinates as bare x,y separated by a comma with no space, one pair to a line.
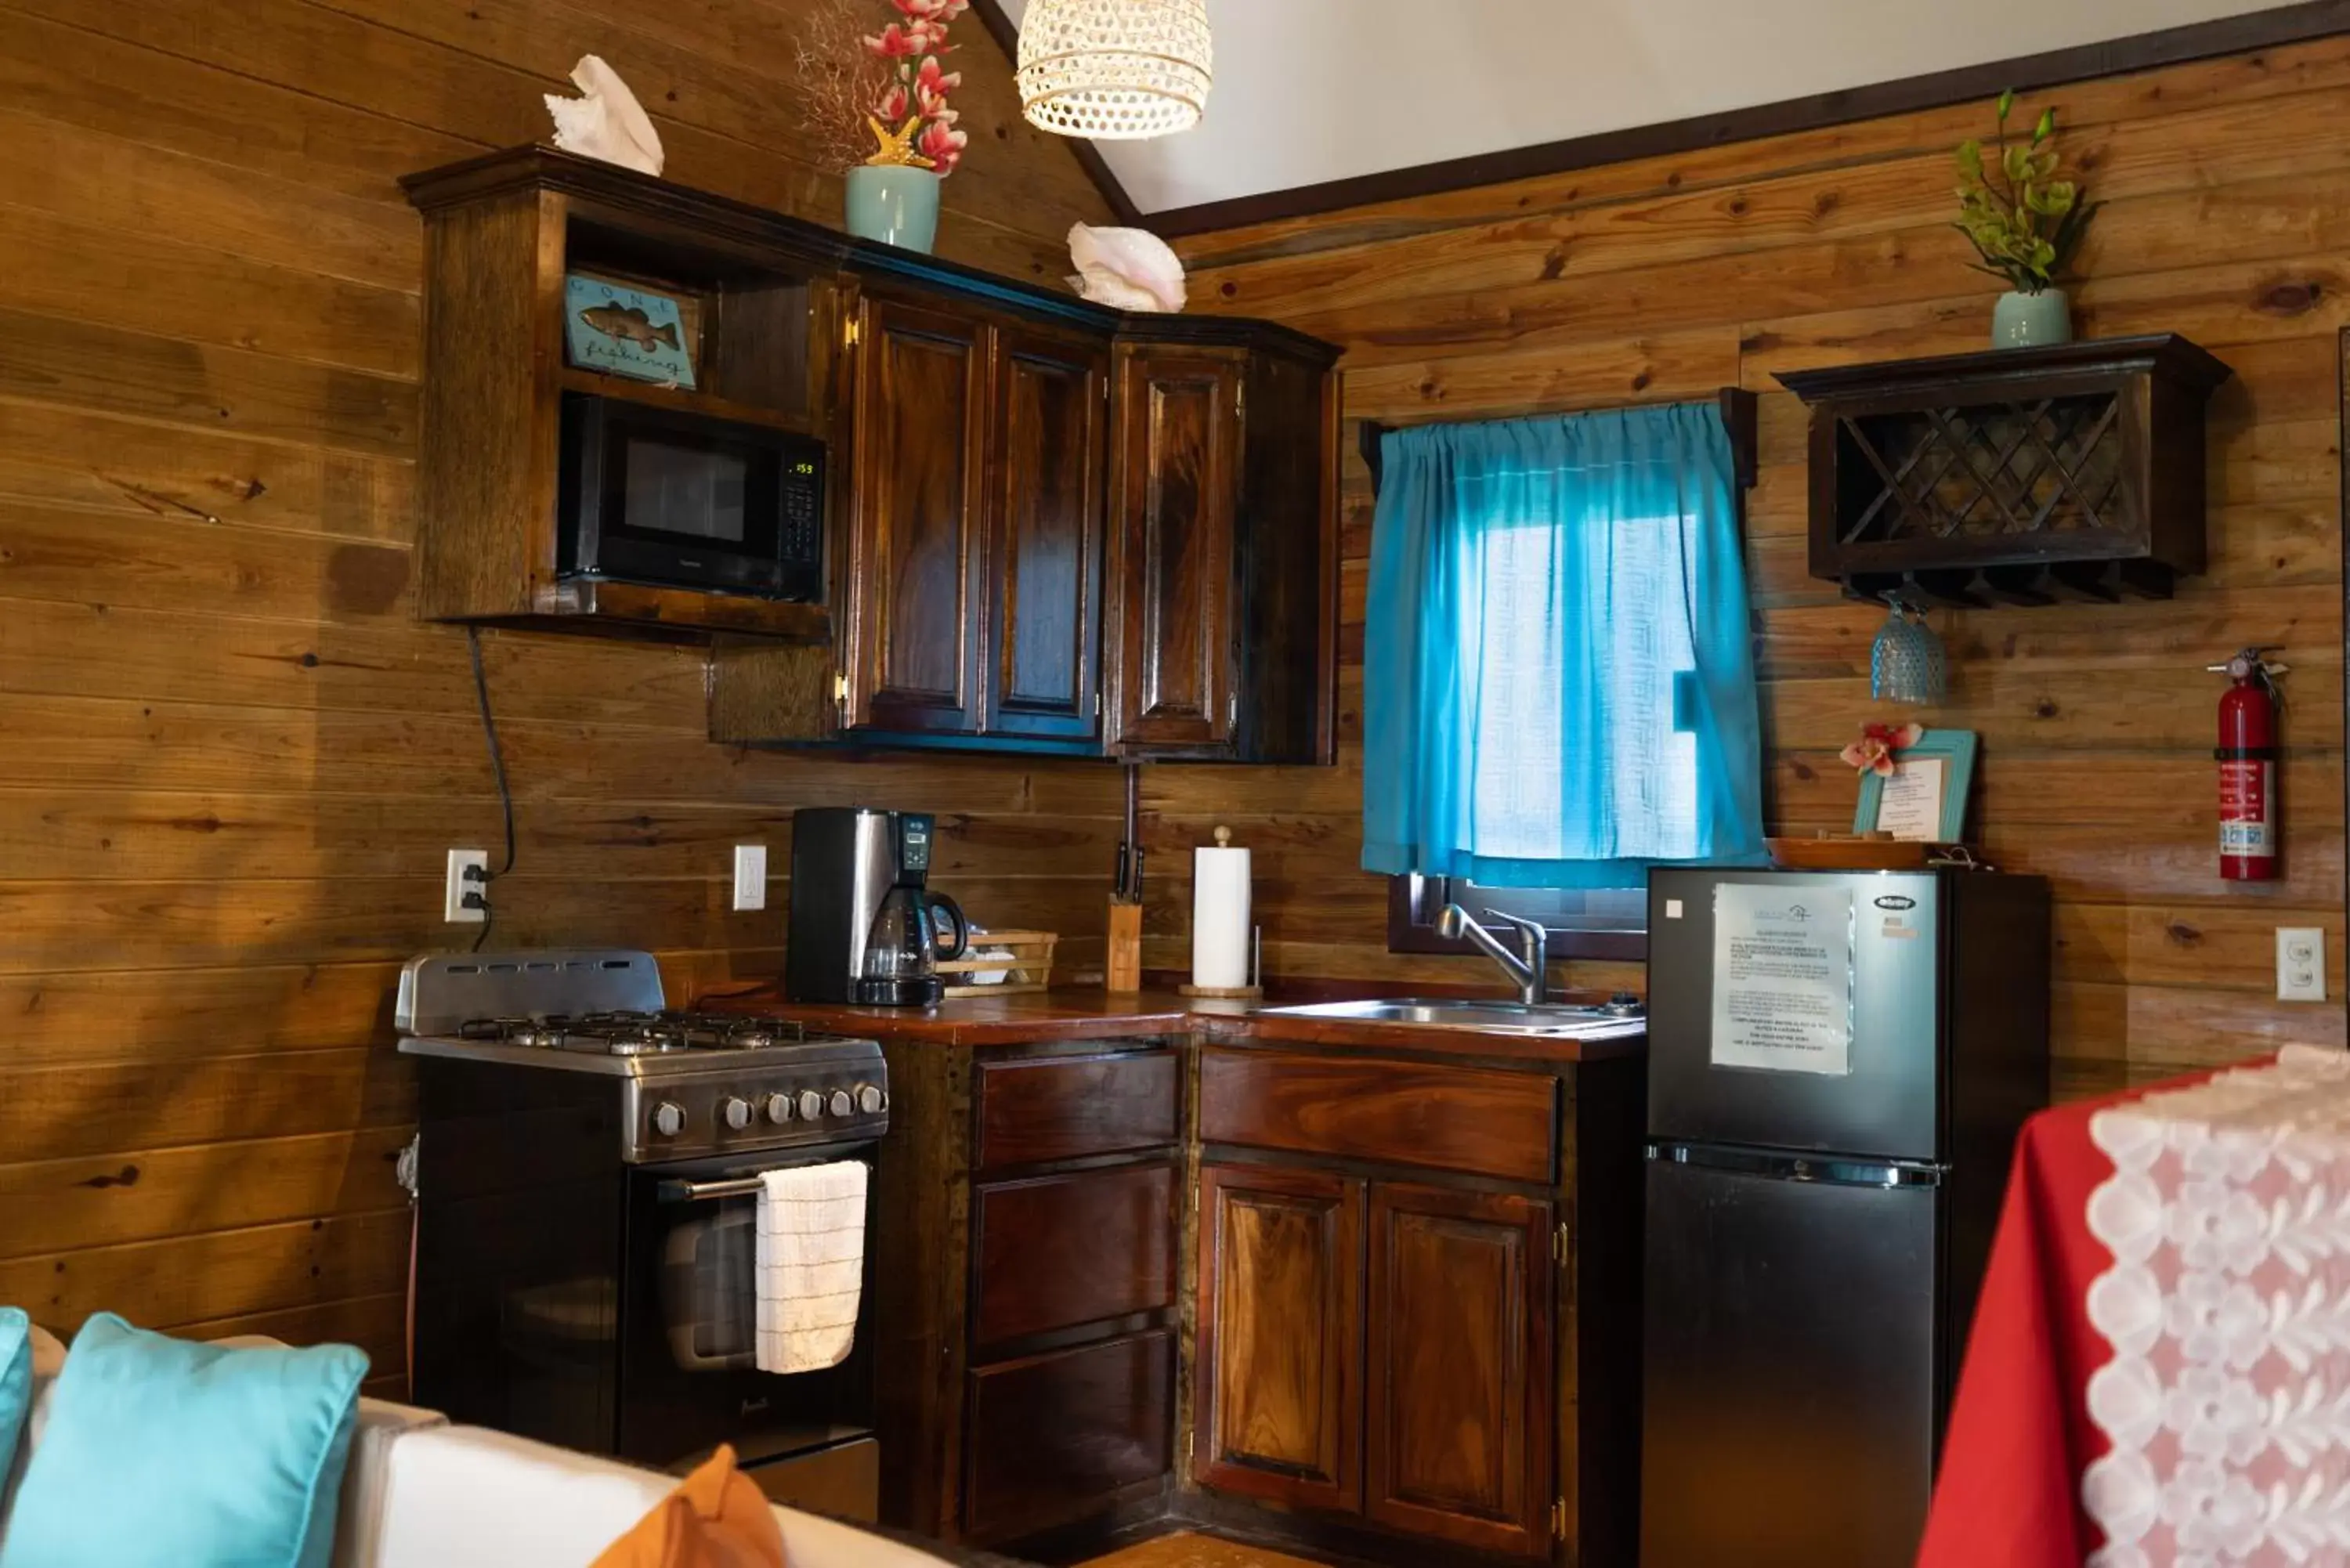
637,1033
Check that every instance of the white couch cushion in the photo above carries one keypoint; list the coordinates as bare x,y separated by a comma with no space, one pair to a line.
461,1497
457,1496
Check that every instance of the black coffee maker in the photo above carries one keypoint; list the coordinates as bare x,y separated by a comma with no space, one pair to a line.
866,927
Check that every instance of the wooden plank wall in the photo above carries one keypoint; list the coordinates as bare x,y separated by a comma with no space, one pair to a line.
2229,191
236,761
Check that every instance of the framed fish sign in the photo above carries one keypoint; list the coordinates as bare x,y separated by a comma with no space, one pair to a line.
625,331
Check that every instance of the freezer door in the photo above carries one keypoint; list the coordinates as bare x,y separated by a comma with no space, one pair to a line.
1789,1378
1888,1102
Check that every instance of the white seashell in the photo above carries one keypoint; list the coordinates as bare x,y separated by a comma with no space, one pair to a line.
605,121
1126,269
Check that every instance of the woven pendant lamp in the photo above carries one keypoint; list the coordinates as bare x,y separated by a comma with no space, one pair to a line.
1115,70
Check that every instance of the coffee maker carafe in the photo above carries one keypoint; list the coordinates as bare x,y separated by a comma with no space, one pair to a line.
865,927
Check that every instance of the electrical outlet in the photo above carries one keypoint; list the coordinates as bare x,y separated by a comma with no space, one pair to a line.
750,876
460,883
2301,963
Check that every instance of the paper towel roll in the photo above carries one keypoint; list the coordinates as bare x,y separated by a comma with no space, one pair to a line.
1220,915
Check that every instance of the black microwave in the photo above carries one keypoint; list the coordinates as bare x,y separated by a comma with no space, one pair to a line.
684,500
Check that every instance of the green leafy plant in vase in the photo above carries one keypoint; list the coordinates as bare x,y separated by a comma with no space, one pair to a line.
2025,224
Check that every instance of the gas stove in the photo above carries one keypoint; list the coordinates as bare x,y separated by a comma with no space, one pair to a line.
589,1173
693,1084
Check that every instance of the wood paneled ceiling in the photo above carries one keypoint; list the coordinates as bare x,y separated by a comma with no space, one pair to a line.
1313,92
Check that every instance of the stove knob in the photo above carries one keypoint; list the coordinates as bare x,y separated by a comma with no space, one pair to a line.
870,1100
841,1105
811,1106
669,1119
737,1112
779,1108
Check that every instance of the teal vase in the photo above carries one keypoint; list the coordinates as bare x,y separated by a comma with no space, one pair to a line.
2031,320
895,203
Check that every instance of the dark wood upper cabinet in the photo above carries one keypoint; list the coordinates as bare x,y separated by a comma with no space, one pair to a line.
1174,586
1045,534
1279,1397
1223,553
915,539
759,297
1049,526
1460,1400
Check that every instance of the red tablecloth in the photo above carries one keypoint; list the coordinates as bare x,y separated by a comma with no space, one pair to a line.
2009,1493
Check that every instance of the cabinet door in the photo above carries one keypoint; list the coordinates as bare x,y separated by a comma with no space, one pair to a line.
1172,571
1280,1406
1045,537
912,588
1460,1355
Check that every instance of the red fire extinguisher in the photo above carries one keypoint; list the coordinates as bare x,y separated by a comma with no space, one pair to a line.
2249,835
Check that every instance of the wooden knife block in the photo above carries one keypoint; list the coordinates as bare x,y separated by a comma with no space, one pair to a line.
1124,973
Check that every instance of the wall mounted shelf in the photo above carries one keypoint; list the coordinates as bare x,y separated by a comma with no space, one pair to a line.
2014,476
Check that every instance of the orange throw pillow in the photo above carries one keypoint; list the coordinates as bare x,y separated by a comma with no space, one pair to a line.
717,1518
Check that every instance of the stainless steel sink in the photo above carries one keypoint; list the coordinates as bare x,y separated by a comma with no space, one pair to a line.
1554,1019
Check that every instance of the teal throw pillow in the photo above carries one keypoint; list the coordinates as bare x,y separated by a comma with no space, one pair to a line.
160,1453
15,1382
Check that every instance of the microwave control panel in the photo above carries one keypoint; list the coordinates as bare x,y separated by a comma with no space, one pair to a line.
803,513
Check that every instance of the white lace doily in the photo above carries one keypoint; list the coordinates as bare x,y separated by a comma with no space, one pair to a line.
2228,1307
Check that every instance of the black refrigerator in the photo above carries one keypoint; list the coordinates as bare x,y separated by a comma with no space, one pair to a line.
1839,1063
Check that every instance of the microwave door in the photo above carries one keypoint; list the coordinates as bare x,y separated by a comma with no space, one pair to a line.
654,496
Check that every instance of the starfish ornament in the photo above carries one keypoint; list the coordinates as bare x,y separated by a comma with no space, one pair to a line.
897,147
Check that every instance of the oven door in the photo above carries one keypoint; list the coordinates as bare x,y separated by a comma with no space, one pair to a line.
689,1374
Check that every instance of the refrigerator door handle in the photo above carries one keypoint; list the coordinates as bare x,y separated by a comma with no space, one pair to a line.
1778,1166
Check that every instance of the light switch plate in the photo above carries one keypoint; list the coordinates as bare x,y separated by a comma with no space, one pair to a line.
2301,963
750,876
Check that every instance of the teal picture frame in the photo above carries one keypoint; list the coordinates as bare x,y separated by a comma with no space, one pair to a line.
1956,748
623,331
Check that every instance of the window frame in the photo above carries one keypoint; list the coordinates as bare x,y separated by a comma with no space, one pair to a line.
1414,901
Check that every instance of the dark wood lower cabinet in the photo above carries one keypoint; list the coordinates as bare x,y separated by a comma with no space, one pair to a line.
1279,1336
1059,1251
1459,1408
1054,1435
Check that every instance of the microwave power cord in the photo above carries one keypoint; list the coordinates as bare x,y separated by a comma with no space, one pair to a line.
480,899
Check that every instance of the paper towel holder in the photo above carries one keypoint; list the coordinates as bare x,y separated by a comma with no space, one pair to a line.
1224,836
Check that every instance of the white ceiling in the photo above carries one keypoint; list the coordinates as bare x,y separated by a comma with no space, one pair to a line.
1313,90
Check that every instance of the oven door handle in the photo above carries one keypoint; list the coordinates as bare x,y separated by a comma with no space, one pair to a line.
707,1191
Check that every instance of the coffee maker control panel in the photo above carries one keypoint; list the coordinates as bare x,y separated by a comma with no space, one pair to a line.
913,846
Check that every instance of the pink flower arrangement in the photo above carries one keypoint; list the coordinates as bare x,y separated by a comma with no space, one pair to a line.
1873,753
911,117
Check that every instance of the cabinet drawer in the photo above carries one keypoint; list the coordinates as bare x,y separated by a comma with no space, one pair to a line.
1052,1435
1476,1120
1067,1249
1062,1107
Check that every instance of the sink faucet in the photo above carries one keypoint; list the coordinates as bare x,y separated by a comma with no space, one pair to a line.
1528,968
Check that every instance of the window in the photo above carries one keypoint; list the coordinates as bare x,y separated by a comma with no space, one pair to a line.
1559,691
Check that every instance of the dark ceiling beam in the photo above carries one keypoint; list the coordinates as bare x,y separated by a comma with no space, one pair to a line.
2085,62
1007,38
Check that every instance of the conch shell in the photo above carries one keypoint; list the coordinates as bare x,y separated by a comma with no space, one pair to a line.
605,121
1126,269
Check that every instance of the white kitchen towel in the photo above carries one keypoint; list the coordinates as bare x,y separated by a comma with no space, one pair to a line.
811,1264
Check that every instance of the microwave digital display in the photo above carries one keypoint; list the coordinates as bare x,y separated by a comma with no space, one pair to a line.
657,495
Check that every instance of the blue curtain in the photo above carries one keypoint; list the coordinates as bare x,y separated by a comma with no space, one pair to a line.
1559,684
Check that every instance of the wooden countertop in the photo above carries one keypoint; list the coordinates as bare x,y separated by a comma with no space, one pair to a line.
1090,1015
